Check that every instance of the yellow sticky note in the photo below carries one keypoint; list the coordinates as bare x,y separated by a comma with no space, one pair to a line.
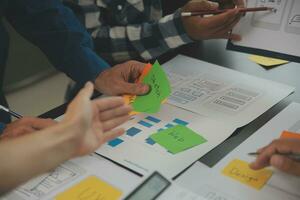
266,61
240,171
91,188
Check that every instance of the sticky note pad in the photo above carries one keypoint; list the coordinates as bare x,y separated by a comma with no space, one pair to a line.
291,135
266,61
157,79
240,171
91,188
177,138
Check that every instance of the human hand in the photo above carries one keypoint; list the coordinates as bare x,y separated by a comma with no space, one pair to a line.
94,121
25,125
269,156
214,27
227,4
121,78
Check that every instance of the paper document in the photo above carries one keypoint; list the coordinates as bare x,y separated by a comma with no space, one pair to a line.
220,93
270,184
277,31
83,175
137,150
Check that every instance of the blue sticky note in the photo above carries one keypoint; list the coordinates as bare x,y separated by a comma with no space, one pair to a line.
115,142
180,122
133,131
146,124
153,119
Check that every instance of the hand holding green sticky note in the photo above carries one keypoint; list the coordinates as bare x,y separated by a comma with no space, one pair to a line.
160,89
178,138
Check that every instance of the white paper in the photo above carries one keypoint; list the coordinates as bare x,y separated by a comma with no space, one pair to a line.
72,172
273,31
219,93
175,192
210,182
135,153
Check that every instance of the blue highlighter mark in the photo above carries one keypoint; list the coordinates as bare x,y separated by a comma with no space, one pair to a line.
169,125
115,142
133,131
180,122
153,119
146,124
150,141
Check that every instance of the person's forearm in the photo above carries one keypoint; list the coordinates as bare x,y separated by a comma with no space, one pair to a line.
55,30
25,157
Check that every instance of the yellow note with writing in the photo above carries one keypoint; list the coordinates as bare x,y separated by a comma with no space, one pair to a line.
240,171
91,188
266,61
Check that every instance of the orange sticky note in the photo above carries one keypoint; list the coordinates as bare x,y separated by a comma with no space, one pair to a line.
146,70
91,188
240,171
291,135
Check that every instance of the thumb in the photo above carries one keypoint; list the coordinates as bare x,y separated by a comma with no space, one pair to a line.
86,91
200,5
135,88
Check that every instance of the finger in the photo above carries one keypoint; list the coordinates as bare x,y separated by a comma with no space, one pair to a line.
42,123
228,26
108,103
18,131
240,3
33,122
86,91
217,21
112,113
277,146
113,123
133,88
285,164
113,134
200,5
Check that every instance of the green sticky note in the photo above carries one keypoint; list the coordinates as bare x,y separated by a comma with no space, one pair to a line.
178,138
160,90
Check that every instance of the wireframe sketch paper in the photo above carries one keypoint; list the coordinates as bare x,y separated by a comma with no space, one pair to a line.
277,32
221,93
275,186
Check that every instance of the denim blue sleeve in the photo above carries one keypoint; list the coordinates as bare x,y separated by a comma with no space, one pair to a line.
56,31
2,127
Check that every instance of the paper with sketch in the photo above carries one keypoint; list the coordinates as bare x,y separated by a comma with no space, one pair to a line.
277,31
71,173
139,152
220,93
210,181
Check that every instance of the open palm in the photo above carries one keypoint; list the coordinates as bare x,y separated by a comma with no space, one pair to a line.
96,120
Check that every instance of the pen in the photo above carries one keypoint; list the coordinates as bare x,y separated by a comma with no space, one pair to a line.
210,12
11,112
293,156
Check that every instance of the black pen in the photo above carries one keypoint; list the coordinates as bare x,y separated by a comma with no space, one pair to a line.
293,156
12,113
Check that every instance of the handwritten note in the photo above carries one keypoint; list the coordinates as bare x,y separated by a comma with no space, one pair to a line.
178,138
291,135
160,90
239,170
91,188
266,61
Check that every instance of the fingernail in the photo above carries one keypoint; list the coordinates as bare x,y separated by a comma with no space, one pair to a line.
214,4
146,89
